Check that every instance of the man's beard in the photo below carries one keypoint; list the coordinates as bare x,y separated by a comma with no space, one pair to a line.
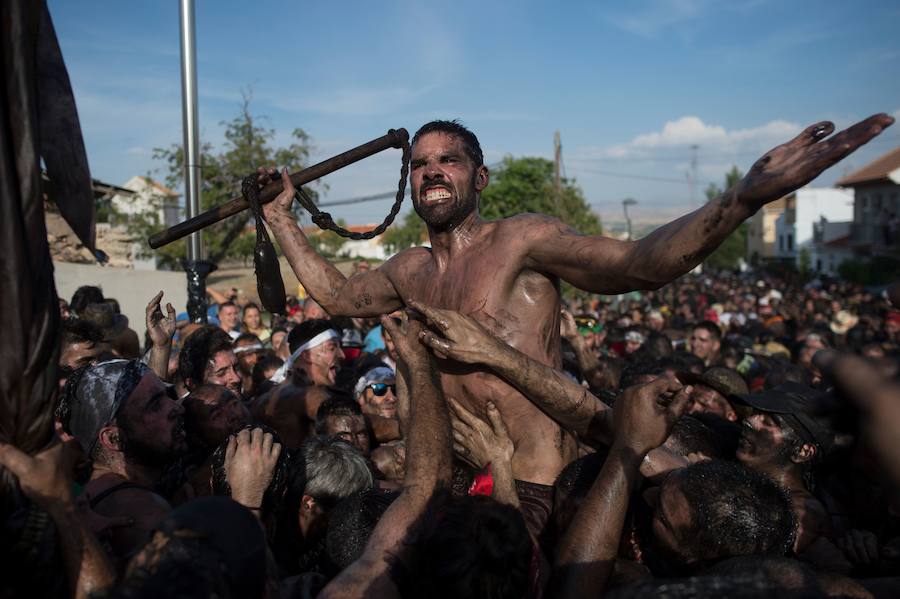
154,454
446,216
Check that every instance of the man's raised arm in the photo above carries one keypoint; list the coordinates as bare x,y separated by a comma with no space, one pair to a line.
428,465
605,265
364,294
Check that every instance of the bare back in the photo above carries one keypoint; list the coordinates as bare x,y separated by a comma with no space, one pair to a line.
488,281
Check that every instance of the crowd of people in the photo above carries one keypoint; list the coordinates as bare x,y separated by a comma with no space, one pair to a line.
720,449
448,425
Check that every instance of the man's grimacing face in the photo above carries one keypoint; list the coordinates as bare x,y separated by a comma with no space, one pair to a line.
445,182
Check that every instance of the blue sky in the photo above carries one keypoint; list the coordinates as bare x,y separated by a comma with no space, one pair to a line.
629,86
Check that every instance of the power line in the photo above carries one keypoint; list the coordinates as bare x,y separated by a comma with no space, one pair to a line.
638,177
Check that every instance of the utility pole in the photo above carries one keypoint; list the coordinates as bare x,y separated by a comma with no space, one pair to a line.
692,177
625,204
195,267
557,160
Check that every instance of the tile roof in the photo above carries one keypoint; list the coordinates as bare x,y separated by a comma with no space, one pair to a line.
876,170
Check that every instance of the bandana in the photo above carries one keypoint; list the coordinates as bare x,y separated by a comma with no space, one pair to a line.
99,394
376,375
316,341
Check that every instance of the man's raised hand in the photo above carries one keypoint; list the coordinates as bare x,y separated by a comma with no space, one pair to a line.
45,478
250,460
645,414
281,206
460,338
160,328
797,162
405,332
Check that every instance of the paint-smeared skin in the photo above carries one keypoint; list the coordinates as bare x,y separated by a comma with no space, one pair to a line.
517,305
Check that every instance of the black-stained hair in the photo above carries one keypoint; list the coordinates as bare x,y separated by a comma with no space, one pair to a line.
274,493
454,127
351,522
734,511
85,296
75,330
198,349
335,405
471,546
306,330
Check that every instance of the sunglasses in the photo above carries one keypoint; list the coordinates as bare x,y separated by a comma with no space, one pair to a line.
381,389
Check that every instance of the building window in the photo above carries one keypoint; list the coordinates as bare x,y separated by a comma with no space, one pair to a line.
790,242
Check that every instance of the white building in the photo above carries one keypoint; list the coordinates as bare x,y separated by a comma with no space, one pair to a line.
831,246
805,210
150,197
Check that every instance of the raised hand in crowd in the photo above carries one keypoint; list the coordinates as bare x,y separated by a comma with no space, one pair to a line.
878,400
46,479
250,460
428,463
643,418
161,330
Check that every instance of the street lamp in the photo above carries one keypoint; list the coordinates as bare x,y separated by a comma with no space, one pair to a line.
625,204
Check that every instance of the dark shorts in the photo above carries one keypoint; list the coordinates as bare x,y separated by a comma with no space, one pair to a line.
536,505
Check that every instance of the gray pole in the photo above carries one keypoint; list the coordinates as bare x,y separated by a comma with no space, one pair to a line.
191,126
195,267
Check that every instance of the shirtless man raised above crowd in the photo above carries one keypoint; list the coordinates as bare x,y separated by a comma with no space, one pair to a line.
506,273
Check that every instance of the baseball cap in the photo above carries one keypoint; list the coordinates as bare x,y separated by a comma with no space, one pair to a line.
809,412
726,381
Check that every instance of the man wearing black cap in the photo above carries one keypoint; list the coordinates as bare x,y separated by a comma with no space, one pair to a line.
124,419
712,389
788,433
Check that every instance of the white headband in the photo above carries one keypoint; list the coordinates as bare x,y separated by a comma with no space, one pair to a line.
245,348
324,336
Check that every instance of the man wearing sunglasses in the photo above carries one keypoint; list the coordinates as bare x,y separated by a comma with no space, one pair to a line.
376,392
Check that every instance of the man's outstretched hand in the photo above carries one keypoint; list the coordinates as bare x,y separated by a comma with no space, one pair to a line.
793,164
460,338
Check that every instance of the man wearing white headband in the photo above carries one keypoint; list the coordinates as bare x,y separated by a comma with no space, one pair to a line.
312,367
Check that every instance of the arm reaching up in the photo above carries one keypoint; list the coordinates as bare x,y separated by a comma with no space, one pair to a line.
461,338
644,417
46,479
427,469
161,330
364,294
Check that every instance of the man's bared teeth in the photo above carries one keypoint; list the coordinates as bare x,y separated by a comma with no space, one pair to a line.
437,194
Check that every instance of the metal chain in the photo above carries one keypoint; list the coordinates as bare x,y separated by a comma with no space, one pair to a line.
324,220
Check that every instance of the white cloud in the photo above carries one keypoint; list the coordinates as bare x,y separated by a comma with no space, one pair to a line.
680,134
896,114
648,18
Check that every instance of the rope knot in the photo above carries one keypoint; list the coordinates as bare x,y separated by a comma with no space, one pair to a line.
323,220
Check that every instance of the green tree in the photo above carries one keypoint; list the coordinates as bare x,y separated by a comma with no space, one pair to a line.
328,243
526,185
518,185
247,145
728,255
